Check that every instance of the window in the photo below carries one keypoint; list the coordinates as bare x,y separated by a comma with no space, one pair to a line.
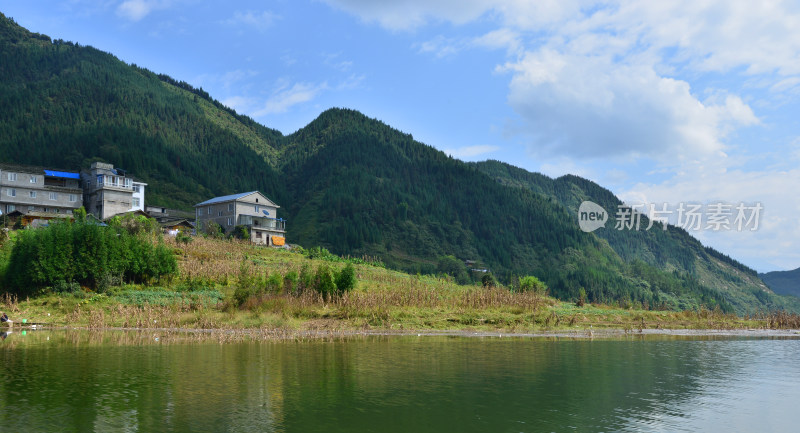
33,179
127,183
256,207
135,202
73,198
136,188
99,180
57,210
258,235
44,210
10,208
53,196
31,208
32,194
114,180
230,221
219,213
209,210
12,177
230,207
12,192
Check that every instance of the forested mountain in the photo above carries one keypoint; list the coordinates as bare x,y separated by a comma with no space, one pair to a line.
783,282
64,105
347,182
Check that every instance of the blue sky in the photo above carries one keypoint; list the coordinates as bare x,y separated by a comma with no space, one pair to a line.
661,102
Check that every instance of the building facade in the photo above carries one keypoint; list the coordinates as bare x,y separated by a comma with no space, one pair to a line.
110,191
38,190
250,209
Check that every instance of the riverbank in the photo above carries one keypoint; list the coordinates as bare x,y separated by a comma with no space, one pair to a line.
202,296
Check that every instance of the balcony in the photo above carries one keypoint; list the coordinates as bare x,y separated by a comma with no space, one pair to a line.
264,223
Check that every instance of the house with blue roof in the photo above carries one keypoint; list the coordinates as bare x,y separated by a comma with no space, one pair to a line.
250,209
39,191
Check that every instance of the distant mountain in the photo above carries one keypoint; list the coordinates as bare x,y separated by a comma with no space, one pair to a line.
783,282
349,183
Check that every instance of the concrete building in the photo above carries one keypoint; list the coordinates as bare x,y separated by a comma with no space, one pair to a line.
250,209
110,191
39,190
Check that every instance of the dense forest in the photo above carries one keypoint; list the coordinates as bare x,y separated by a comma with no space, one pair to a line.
348,183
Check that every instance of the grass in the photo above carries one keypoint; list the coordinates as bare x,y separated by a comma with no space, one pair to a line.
201,297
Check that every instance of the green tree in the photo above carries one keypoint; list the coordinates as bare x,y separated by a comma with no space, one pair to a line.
531,283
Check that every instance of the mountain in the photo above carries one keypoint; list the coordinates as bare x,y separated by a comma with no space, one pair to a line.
65,105
349,183
783,282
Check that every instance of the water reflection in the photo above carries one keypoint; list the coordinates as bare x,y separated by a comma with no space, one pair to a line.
150,381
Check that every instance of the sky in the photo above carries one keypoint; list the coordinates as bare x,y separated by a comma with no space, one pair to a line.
663,103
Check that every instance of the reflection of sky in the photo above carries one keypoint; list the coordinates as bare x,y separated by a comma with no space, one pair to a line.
749,386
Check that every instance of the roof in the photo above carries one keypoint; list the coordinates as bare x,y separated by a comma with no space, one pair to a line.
34,169
64,174
47,215
176,222
225,198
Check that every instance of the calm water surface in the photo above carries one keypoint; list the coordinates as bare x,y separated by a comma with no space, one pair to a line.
123,381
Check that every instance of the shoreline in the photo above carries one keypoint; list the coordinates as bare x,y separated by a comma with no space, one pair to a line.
281,334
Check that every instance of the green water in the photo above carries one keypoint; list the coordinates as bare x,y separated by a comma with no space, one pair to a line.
122,381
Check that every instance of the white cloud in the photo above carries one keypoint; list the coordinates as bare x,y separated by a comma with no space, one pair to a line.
618,109
135,10
258,20
471,151
241,104
441,46
773,245
500,39
286,97
409,14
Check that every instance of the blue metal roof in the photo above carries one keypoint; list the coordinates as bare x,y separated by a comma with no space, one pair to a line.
64,174
225,198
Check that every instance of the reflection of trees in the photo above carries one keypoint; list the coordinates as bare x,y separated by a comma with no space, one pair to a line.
117,381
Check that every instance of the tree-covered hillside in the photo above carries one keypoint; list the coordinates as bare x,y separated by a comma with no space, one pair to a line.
346,182
65,105
783,282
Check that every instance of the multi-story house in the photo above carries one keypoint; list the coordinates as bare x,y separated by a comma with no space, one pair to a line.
39,191
250,209
110,191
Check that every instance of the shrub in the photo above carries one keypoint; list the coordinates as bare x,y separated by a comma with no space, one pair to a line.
581,298
531,283
323,281
346,279
306,279
488,281
65,287
241,232
244,285
274,283
183,238
85,253
290,282
214,230
319,253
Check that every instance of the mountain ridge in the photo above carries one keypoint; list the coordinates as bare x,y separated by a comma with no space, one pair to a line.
348,182
783,282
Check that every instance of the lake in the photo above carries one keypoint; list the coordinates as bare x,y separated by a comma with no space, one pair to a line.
147,381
